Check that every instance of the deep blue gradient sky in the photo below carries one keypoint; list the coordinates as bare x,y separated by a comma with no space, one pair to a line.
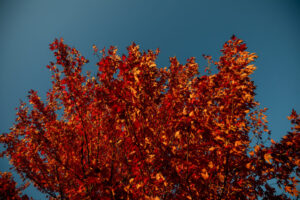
271,28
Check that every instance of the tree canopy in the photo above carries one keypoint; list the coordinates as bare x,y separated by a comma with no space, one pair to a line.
137,131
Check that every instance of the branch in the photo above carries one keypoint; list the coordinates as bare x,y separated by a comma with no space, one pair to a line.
226,176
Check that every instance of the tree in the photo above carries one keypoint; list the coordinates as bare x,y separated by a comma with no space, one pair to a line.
136,131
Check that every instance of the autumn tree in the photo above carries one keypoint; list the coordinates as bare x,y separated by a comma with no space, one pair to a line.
137,131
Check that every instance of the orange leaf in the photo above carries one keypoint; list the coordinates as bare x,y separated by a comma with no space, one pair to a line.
268,157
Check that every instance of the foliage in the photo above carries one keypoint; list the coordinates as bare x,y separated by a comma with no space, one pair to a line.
8,189
136,131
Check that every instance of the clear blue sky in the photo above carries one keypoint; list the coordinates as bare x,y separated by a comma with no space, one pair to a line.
186,28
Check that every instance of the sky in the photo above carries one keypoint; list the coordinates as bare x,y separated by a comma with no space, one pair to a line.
271,28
